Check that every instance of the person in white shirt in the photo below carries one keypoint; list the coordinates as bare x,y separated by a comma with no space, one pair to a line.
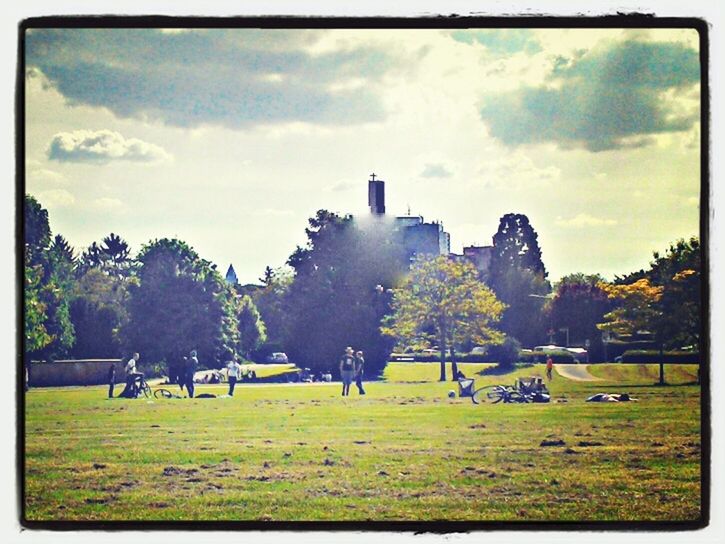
234,370
132,377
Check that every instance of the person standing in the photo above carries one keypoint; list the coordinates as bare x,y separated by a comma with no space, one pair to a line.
234,370
359,367
549,367
111,380
189,370
132,377
347,370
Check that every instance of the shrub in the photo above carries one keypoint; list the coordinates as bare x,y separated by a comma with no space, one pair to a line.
653,356
507,353
557,355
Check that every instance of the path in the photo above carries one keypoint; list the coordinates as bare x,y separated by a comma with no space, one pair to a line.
578,373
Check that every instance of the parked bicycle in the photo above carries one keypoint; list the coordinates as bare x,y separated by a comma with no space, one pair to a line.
524,390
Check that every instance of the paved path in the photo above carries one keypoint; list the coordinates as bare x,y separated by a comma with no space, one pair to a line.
578,373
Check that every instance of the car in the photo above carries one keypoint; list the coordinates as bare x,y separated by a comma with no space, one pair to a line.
277,357
478,350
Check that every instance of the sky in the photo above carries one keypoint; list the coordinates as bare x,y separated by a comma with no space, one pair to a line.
231,139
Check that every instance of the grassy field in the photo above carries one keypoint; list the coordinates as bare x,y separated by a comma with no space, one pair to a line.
405,451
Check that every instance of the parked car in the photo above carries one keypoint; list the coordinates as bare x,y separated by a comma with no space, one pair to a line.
277,357
478,350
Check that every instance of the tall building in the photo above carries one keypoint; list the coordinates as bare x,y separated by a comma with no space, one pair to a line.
376,195
480,256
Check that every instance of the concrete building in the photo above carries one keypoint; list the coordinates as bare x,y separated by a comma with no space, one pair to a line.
480,256
376,195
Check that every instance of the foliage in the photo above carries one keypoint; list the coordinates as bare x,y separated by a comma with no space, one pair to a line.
180,303
36,230
444,300
339,292
252,332
636,308
579,304
518,277
36,335
112,256
270,302
506,353
652,355
98,310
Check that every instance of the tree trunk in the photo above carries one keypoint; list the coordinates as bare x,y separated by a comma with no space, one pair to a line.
454,366
443,352
662,365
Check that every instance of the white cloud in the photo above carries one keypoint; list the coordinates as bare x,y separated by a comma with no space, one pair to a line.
583,220
56,198
102,146
105,203
35,174
517,171
273,212
435,171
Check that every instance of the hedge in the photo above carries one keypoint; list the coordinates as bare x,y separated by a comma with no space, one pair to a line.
557,355
653,356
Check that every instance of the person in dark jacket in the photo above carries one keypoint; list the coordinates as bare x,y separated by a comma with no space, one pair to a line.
111,380
347,370
359,367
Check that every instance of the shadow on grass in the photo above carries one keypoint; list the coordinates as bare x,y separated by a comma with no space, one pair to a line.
651,385
502,370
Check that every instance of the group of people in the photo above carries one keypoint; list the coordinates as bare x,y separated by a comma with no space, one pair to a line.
351,368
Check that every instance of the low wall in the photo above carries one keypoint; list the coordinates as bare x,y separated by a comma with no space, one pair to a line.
74,372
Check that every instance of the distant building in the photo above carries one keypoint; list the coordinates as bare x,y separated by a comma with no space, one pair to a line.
231,276
421,238
480,256
376,195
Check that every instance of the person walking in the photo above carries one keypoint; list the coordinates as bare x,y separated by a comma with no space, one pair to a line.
234,370
191,362
359,367
549,367
347,370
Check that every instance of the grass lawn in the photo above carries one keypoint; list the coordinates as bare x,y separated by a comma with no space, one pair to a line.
405,451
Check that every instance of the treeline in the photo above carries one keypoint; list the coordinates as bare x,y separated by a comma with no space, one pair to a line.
353,283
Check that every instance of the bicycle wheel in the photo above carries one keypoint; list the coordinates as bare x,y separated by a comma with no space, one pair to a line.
144,389
486,394
163,394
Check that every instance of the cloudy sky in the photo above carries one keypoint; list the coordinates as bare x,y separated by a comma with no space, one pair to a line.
231,139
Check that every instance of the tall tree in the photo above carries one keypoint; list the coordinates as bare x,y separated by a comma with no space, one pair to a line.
252,332
335,287
271,302
444,300
180,303
518,277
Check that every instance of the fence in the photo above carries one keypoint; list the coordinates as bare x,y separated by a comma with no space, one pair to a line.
73,372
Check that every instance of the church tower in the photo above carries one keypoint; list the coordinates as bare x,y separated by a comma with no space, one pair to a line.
376,195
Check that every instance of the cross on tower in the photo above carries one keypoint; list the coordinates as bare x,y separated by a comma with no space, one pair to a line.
372,176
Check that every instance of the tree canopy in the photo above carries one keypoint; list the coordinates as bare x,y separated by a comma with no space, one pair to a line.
443,300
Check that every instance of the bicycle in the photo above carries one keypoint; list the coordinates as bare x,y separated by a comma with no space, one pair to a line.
498,393
165,394
143,388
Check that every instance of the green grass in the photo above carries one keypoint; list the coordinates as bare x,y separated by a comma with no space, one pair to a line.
403,452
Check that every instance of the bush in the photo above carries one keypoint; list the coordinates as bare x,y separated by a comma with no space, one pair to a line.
557,355
617,348
507,353
653,356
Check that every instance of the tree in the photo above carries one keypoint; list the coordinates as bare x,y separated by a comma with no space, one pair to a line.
516,245
516,273
179,303
98,311
579,304
271,303
636,309
252,332
112,256
335,287
444,300
48,271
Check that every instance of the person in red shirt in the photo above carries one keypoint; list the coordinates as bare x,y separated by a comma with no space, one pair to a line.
549,367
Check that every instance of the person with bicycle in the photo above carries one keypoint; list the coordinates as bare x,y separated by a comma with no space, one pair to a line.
133,378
